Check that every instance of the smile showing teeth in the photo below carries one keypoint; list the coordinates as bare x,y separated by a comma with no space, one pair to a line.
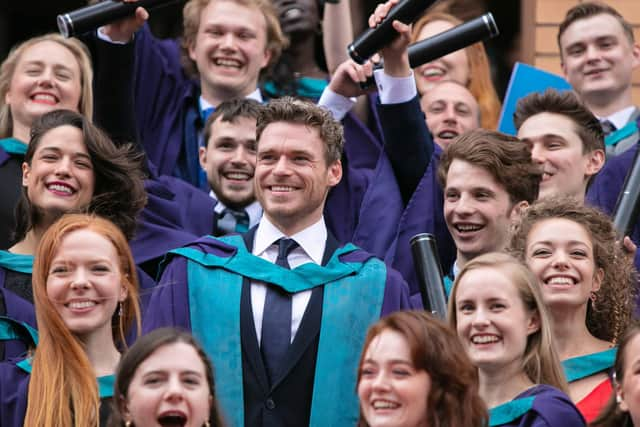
466,228
433,72
447,134
281,188
484,339
60,188
560,280
44,97
81,304
227,63
238,175
384,404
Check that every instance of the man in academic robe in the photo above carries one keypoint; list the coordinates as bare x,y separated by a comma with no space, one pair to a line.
283,309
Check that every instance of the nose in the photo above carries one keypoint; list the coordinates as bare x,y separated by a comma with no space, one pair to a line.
592,53
46,78
464,205
174,389
560,260
282,166
480,318
63,166
538,154
380,382
80,279
239,156
450,114
228,41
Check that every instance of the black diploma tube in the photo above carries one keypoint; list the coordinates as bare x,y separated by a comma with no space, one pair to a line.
92,17
459,37
626,212
374,39
429,271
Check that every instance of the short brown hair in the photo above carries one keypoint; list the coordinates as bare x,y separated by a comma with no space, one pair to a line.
276,40
589,9
434,347
567,104
292,110
610,315
505,157
229,111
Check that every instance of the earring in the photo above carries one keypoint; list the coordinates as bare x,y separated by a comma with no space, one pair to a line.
120,314
127,423
618,399
206,424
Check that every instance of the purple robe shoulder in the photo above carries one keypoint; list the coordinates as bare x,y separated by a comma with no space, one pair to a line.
163,94
550,408
19,309
169,305
14,386
423,214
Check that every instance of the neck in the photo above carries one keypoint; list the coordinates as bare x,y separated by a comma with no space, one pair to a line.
29,244
302,56
289,227
217,95
603,106
502,385
570,331
101,351
21,132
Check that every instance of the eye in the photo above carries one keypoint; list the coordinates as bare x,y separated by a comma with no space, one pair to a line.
83,164
367,371
246,35
497,306
541,253
226,146
452,196
152,380
401,372
101,268
59,269
466,308
191,380
579,253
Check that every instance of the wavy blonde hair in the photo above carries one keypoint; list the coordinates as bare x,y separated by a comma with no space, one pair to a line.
480,84
63,390
8,68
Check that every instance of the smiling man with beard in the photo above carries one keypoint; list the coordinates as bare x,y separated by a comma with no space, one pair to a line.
229,160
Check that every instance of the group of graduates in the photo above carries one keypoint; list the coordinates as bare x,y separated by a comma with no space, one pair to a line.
215,231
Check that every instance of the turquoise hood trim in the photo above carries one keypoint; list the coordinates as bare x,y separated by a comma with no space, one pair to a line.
308,87
16,262
11,329
105,383
624,132
215,320
507,412
580,367
13,146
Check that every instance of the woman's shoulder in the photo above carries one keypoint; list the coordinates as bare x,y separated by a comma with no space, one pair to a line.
14,386
554,408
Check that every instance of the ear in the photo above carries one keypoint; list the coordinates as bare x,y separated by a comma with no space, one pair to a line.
517,210
622,404
635,55
7,97
124,408
534,323
266,58
597,280
202,155
334,173
124,292
595,162
26,171
192,51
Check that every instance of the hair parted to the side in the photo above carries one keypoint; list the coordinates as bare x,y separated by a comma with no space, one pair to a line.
230,111
144,347
63,389
480,84
453,400
297,111
540,361
192,11
565,103
588,9
119,193
612,415
8,68
609,316
505,157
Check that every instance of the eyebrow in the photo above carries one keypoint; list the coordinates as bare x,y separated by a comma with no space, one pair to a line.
58,150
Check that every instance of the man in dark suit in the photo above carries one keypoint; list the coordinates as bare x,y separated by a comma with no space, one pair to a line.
283,309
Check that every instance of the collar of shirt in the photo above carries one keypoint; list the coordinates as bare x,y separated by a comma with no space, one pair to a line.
255,95
254,210
620,118
312,241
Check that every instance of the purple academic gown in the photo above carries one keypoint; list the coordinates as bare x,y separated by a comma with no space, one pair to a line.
550,408
18,309
169,305
14,387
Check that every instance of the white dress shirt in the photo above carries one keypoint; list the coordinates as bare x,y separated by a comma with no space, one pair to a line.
254,210
312,241
620,118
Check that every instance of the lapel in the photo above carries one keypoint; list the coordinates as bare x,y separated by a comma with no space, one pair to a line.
307,333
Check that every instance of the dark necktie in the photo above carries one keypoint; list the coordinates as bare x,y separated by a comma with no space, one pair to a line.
231,221
607,127
276,317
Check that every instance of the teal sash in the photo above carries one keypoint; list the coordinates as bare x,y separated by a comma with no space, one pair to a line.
308,87
448,285
580,367
352,301
624,132
13,146
105,383
11,329
510,411
16,262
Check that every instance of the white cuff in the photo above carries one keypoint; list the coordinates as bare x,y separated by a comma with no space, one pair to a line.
395,90
338,105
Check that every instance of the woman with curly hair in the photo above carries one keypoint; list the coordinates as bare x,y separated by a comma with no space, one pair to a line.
587,283
468,67
69,166
414,372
